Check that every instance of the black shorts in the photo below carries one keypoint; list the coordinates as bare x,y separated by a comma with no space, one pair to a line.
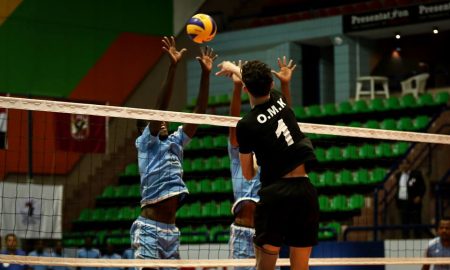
287,213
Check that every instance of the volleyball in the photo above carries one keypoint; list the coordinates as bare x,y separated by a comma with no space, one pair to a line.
201,28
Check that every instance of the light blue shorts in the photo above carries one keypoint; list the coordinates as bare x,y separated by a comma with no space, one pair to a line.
155,240
241,244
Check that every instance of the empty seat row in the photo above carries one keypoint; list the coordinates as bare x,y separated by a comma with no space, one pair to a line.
208,209
374,105
208,142
125,191
341,203
206,164
203,234
109,214
218,185
366,151
346,177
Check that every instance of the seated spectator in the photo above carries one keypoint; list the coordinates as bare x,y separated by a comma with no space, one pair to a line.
128,254
11,249
88,252
39,251
111,254
440,246
58,252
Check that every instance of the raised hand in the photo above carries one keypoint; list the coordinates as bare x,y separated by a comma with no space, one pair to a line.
206,58
234,77
286,69
228,68
170,47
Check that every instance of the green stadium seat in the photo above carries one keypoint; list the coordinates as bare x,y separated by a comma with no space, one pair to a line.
350,152
408,101
377,175
346,177
187,165
320,154
442,98
212,101
225,162
228,186
134,191
108,192
392,103
356,201
400,148
195,210
183,212
330,178
355,124
98,214
191,186
121,192
405,124
85,215
330,109
210,209
207,142
383,150
360,106
218,185
300,112
372,124
126,213
111,214
426,99
314,178
244,97
333,154
205,186
362,176
345,108
131,170
197,165
212,163
421,122
367,151
377,104
324,203
225,208
314,111
194,144
220,141
335,225
388,124
339,203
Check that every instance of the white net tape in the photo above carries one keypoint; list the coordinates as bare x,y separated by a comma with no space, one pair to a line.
216,120
11,259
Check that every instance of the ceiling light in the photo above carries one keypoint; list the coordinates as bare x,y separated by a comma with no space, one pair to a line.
397,36
435,30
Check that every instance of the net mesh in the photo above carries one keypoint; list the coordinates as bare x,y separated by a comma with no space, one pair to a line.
71,171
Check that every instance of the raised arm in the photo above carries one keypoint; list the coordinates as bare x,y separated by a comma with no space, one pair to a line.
163,100
235,105
285,76
206,59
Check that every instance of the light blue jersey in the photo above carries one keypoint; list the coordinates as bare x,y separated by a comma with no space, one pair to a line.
241,244
34,253
161,165
243,189
436,249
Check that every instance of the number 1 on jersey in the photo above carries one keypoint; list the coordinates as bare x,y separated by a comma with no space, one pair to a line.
283,129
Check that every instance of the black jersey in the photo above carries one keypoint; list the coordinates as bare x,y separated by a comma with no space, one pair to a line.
271,131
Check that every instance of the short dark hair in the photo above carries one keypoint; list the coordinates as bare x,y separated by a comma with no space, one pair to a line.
257,77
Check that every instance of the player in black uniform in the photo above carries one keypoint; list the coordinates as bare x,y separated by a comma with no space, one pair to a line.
288,211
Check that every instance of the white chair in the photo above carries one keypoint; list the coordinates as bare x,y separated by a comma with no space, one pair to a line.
372,82
415,84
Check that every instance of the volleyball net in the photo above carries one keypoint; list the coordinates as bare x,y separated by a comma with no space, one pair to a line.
70,171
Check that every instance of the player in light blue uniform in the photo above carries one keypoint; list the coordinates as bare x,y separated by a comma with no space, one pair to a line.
160,157
39,251
440,246
246,191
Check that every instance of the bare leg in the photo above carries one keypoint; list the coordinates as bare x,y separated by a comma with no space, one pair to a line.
299,257
266,257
